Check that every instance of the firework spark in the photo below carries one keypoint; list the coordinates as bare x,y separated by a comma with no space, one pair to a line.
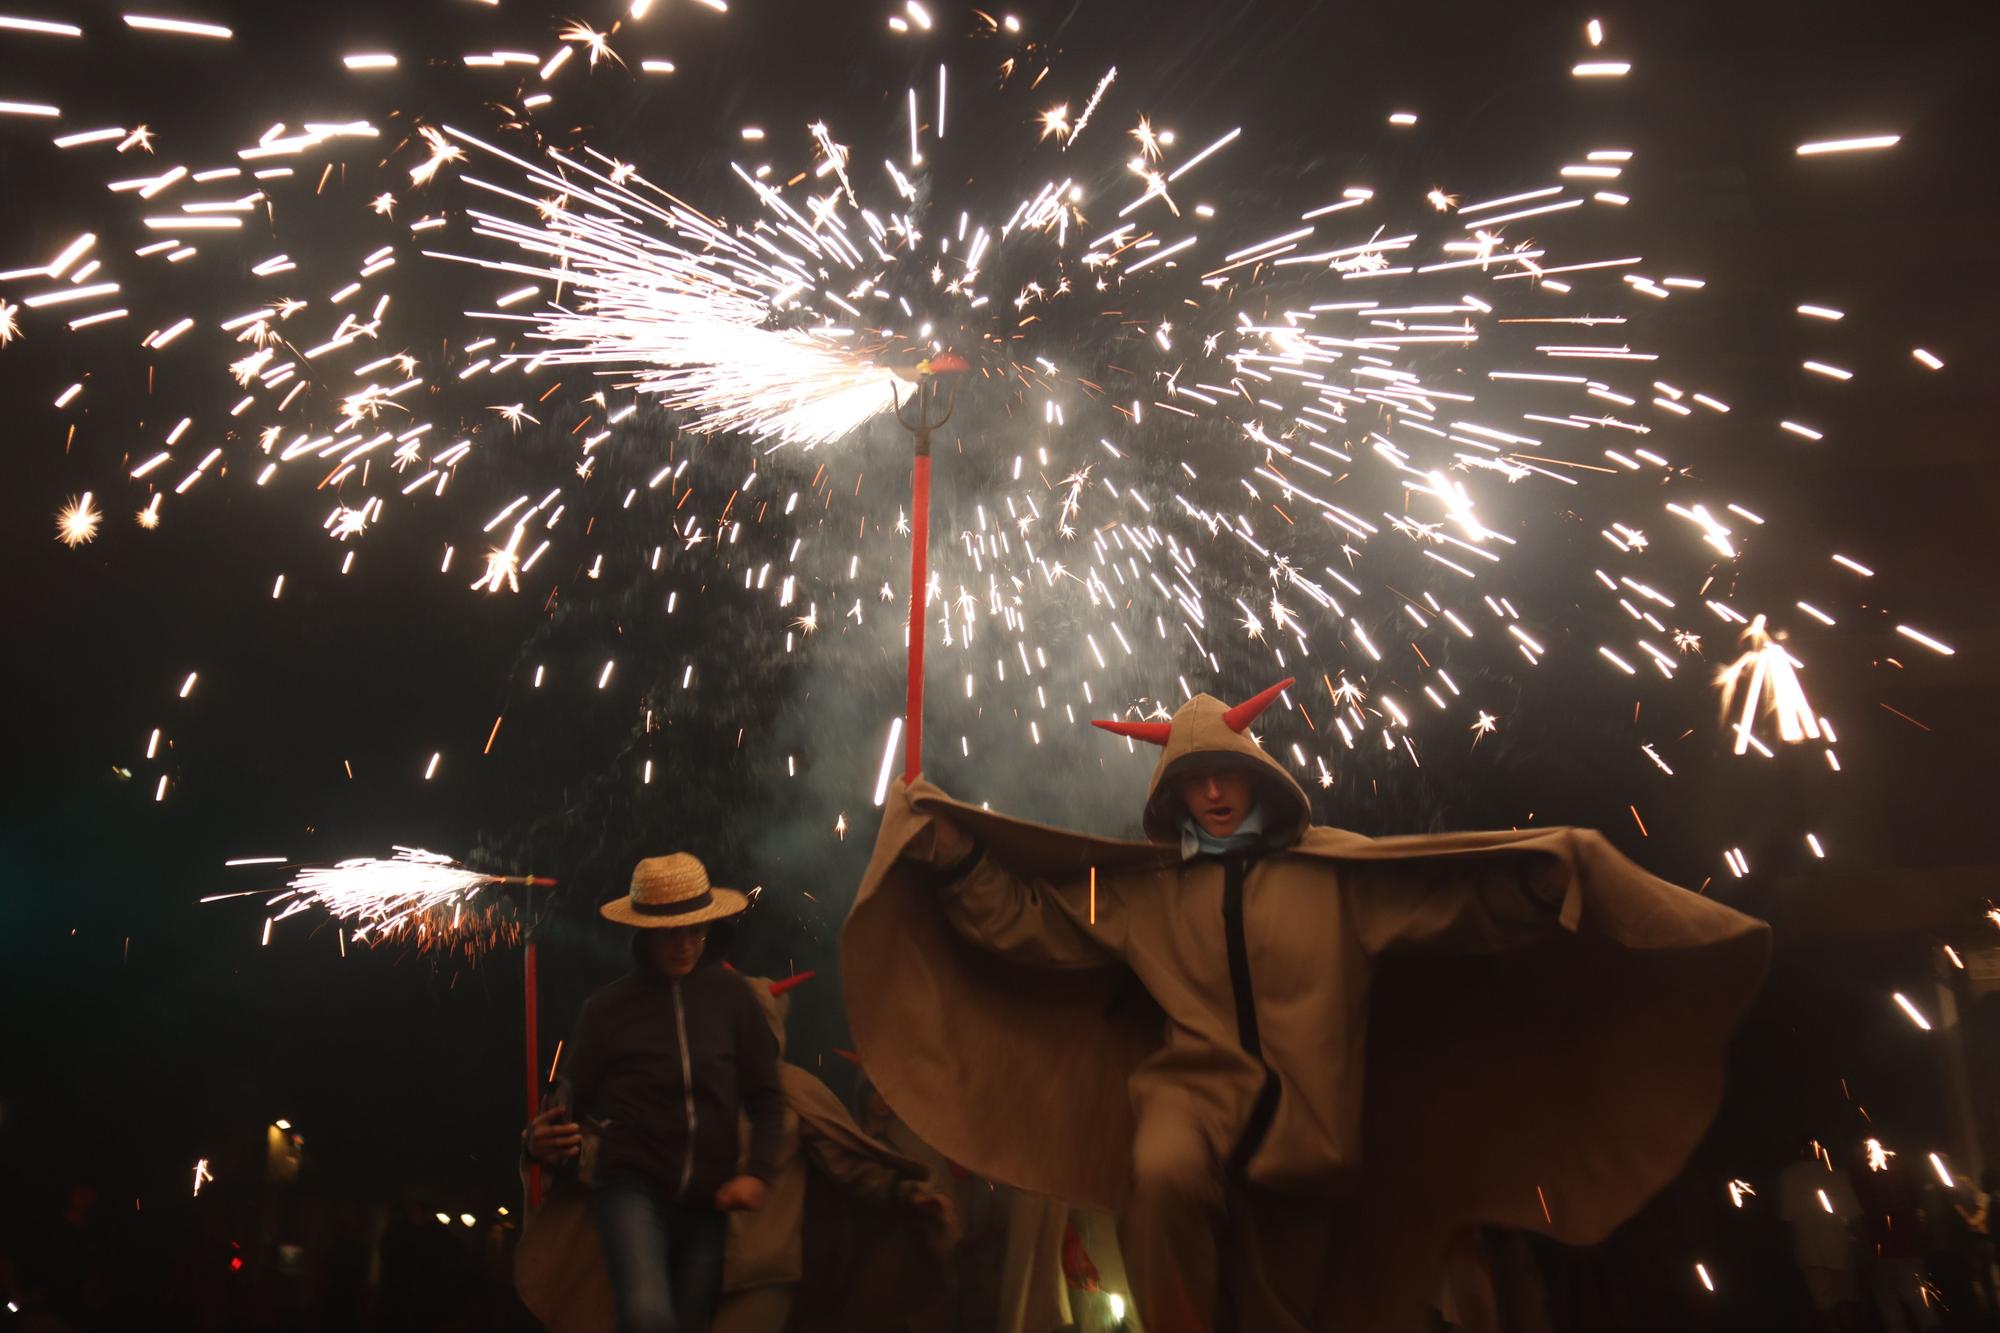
77,521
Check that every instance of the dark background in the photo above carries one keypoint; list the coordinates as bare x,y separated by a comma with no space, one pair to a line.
145,1031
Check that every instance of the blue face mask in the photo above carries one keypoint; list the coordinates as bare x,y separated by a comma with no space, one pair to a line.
1198,841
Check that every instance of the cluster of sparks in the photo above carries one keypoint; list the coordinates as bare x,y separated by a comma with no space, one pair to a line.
1367,499
380,899
1353,448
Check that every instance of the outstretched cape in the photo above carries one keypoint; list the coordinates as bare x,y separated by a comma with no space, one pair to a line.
1552,1087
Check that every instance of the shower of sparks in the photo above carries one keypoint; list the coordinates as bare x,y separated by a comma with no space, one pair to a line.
384,897
76,522
1326,429
1739,1190
202,1175
1878,1156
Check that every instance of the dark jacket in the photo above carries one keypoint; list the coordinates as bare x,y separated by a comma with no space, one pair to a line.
664,1068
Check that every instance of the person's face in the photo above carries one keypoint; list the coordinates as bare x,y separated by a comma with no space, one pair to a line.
1218,798
676,950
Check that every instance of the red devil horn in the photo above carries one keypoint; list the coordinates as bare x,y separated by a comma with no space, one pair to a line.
1153,733
796,979
852,1057
1246,712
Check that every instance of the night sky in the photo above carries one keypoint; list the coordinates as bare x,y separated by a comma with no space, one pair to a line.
146,1031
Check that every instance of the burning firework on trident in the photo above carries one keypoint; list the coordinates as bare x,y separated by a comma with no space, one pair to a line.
920,425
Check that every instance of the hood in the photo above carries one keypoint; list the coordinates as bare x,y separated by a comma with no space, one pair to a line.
1200,734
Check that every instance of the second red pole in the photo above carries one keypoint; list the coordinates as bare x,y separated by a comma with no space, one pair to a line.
920,540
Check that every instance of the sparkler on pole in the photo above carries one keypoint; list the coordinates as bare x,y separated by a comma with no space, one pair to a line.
920,425
386,896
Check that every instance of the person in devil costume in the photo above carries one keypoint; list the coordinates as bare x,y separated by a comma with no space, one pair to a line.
1341,1054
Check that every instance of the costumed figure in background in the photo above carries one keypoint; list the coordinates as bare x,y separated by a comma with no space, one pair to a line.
849,1236
1296,1062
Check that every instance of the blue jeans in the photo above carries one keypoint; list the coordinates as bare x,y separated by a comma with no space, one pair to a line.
664,1258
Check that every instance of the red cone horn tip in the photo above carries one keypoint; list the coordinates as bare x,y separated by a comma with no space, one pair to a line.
1246,712
1153,733
796,979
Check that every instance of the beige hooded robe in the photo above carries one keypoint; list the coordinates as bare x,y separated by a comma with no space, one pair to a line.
1519,1029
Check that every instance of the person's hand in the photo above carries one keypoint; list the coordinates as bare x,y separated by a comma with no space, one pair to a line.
553,1137
740,1194
937,1208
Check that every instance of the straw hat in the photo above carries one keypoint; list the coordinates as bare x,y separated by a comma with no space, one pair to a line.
672,891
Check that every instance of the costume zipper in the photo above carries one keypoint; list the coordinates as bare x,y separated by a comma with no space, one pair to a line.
687,1088
1235,874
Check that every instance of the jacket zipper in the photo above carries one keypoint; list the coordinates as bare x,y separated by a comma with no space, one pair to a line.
687,1088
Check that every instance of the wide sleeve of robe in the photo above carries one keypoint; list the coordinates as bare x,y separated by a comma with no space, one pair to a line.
1549,1024
1463,905
1076,921
957,1037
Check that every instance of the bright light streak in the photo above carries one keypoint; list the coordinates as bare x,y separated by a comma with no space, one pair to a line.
1863,144
88,136
29,109
1926,640
370,60
1602,69
182,27
41,26
1911,1010
888,760
1203,155
1926,358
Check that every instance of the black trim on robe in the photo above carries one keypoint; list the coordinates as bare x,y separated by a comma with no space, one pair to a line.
1235,876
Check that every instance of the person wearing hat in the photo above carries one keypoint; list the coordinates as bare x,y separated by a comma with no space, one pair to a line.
662,1062
1299,1064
